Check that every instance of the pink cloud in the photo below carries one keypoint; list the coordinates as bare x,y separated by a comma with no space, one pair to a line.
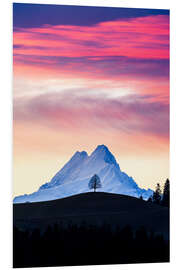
133,52
130,38
132,114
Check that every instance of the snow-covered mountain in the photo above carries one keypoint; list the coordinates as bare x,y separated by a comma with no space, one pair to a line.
74,177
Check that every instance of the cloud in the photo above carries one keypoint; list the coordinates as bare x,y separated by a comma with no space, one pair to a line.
73,15
133,46
131,114
111,66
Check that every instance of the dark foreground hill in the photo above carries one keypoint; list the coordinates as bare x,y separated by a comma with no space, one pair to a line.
93,208
88,229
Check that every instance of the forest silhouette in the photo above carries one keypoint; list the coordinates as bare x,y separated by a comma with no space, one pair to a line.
87,245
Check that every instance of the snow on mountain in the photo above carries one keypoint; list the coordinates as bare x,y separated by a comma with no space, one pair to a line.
74,177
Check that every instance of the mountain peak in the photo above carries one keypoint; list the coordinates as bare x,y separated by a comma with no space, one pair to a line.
102,147
103,152
79,154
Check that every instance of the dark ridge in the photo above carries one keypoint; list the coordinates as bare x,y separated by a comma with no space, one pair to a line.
93,208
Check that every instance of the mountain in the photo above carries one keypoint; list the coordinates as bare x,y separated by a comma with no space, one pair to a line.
74,177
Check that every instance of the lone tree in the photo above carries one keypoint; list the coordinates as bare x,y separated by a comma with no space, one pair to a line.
157,194
166,196
95,182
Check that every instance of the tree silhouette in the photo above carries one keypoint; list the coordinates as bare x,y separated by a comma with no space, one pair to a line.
157,194
150,199
95,182
166,193
60,245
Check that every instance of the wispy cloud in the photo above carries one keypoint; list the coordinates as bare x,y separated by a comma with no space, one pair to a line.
130,114
128,46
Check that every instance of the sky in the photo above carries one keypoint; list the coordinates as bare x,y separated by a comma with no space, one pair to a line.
85,76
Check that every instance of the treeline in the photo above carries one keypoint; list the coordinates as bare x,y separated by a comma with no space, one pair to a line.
161,197
87,245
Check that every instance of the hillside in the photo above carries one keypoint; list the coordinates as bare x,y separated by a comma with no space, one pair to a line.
93,208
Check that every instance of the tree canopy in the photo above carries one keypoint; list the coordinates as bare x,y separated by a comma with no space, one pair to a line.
95,182
160,197
166,194
157,194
